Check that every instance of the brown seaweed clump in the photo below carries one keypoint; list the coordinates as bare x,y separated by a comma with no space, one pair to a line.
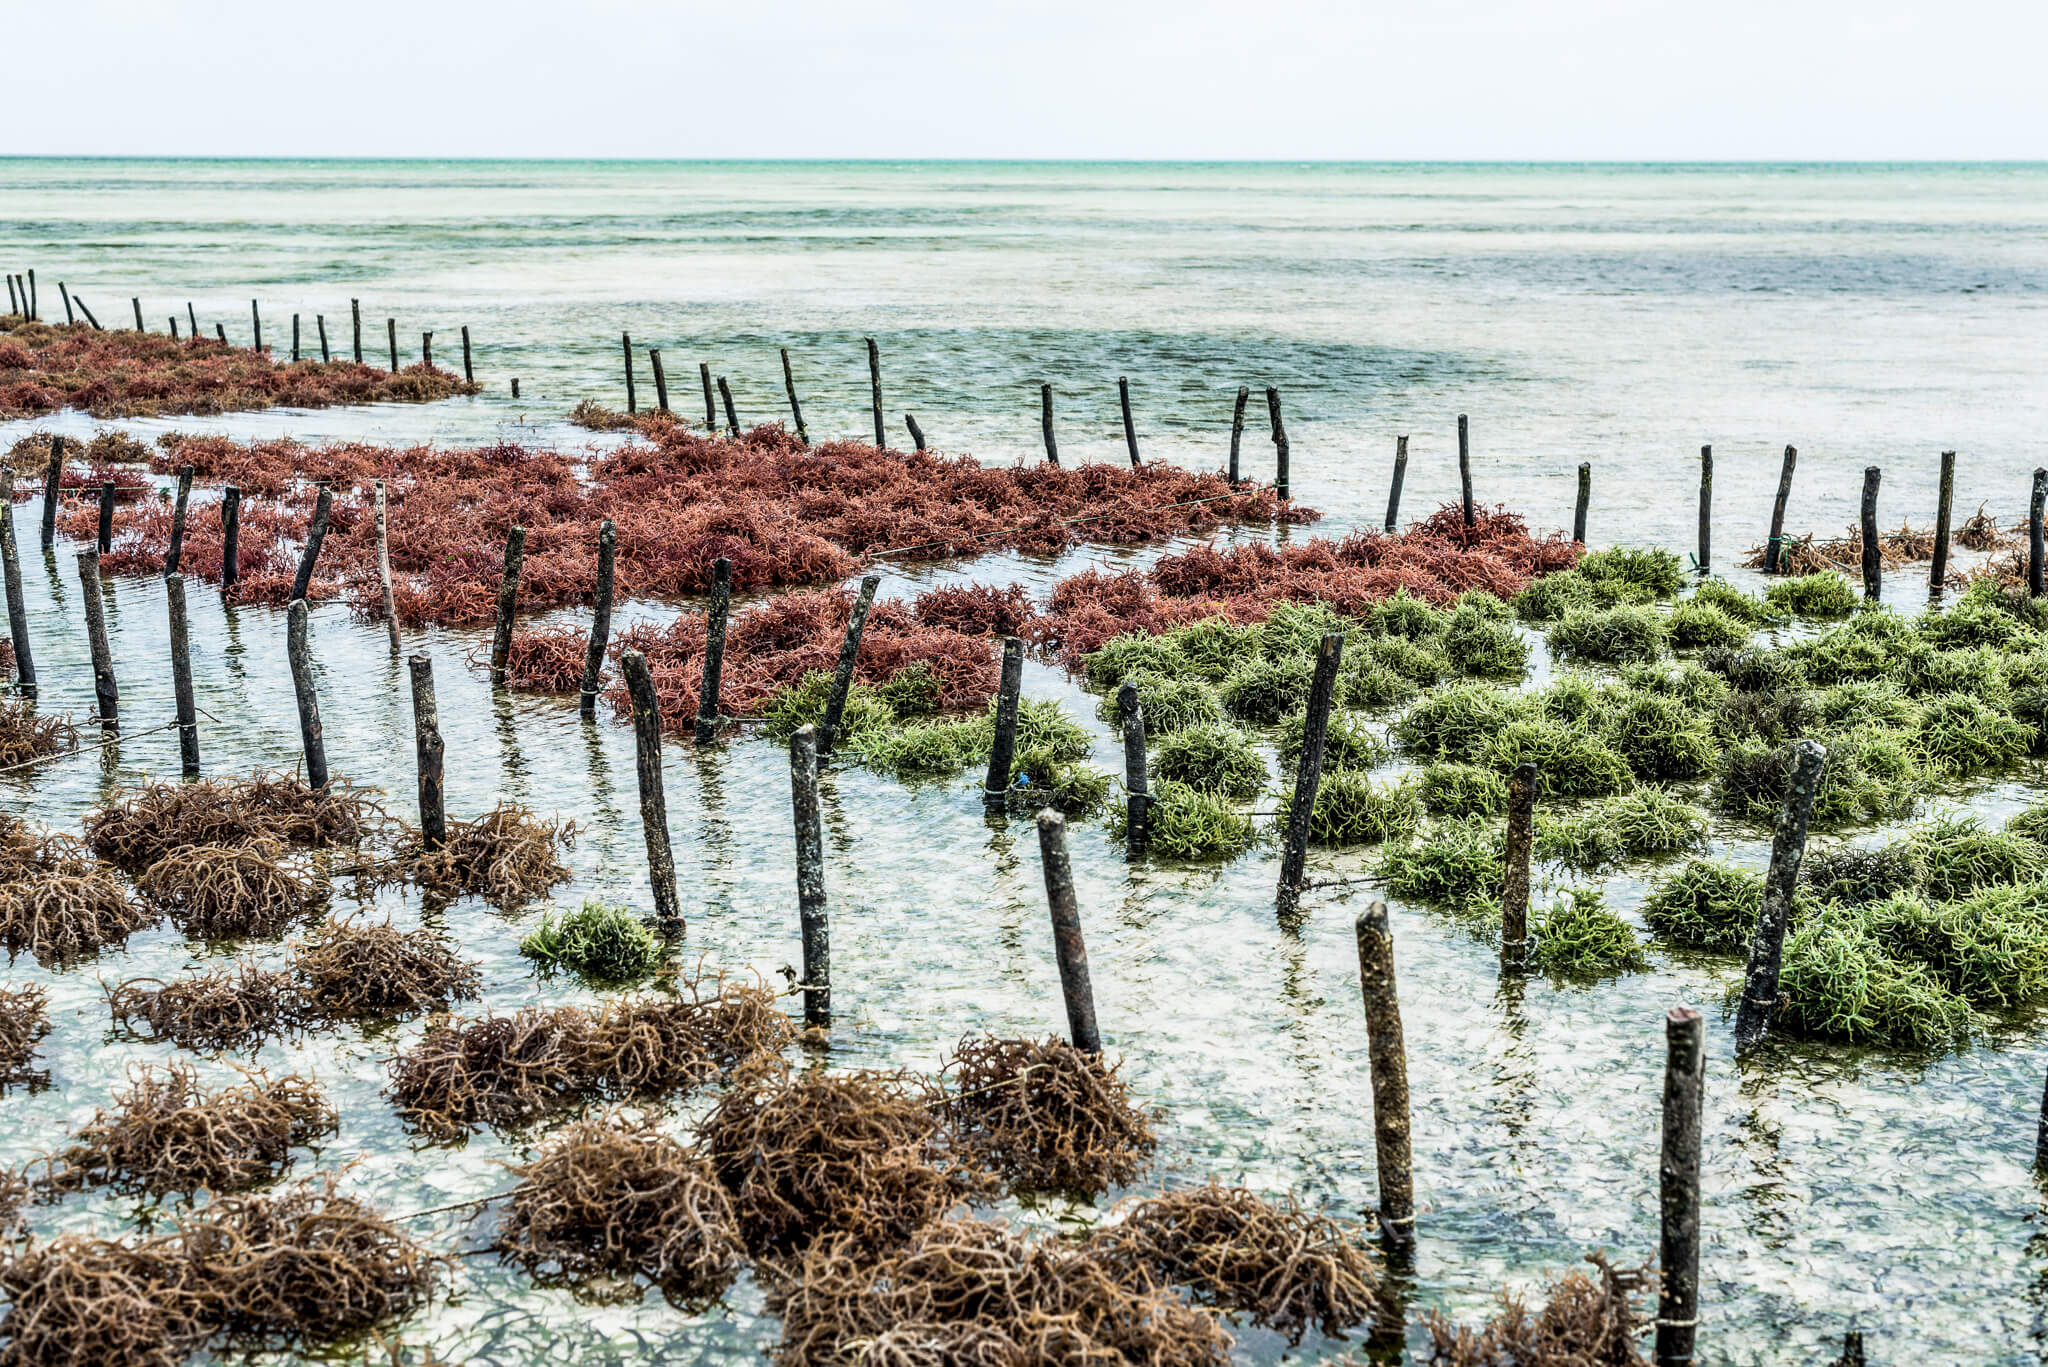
223,891
972,1292
59,904
167,1134
854,1154
235,1006
1045,1116
612,1198
24,1020
26,734
1584,1323
1275,1264
139,826
78,1300
350,971
507,856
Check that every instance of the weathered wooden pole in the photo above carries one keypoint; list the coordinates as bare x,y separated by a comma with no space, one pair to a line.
1585,498
1068,947
1852,1350
1774,547
1052,447
1123,394
427,750
92,321
106,527
255,326
383,520
35,308
137,301
796,411
661,864
230,537
849,652
192,317
1788,848
626,342
515,386
916,432
714,650
355,309
1873,545
600,618
13,307
1244,395
1514,897
323,509
1281,485
1678,1198
301,658
2041,1136
1394,489
710,403
1137,787
1387,1052
508,603
732,418
1706,553
391,336
995,789
1465,469
468,370
174,327
320,326
427,350
295,339
2034,546
106,694
181,677
62,293
810,877
660,379
1944,508
875,390
17,611
220,333
1308,772
174,555
53,475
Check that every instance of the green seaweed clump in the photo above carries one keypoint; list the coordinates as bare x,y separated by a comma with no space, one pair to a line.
1484,647
1214,758
1958,856
1647,821
1121,657
925,748
1168,704
1350,809
1656,573
1839,983
1695,624
1459,865
1042,777
1854,874
1576,935
1460,722
1463,790
803,704
1961,736
1182,822
602,942
1706,905
1826,594
1570,761
1660,737
1348,743
1552,596
1617,635
1743,607
1264,691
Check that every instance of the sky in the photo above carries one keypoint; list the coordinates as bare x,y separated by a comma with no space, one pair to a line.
1086,79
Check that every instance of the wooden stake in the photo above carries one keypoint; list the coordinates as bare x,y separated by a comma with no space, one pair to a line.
660,379
355,309
1280,481
515,386
849,652
382,516
1123,394
391,336
17,612
2034,547
427,349
230,538
875,392
600,618
220,333
295,339
916,432
106,527
508,603
1308,773
1387,1051
1394,489
995,789
2041,1136
1052,448
137,301
1775,545
732,419
661,864
175,554
35,310
1678,1249
1137,788
1706,555
181,677
427,750
255,326
1937,572
192,317
1788,848
65,295
469,371
714,650
320,326
810,877
92,321
174,327
1067,945
710,404
1244,395
323,509
1873,546
105,692
300,655
1585,497
1465,468
626,341
796,411
53,476
1514,896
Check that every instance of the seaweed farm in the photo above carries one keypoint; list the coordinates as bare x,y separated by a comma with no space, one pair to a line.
585,877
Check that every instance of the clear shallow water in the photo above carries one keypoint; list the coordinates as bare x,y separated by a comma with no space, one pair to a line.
1622,316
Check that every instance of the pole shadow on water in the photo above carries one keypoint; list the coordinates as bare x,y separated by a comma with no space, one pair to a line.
1514,1073
511,758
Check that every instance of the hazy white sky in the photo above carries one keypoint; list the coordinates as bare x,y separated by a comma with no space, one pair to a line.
1541,79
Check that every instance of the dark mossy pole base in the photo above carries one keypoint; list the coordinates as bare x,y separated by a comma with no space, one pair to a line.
468,371
714,650
1585,498
2035,556
17,611
875,389
1308,773
1514,893
1944,510
320,327
600,618
660,378
796,412
1706,551
323,509
1244,395
1873,545
106,527
1138,796
508,604
1775,545
174,555
1788,848
995,788
106,694
181,677
230,538
849,655
1281,483
1678,1197
626,342
299,653
916,432
661,864
1123,394
1465,468
710,400
1052,447
1387,1051
53,476
1394,489
732,417
355,309
810,877
1852,1350
427,750
391,336
1068,947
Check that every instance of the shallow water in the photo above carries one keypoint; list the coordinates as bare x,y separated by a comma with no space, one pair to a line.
1574,313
